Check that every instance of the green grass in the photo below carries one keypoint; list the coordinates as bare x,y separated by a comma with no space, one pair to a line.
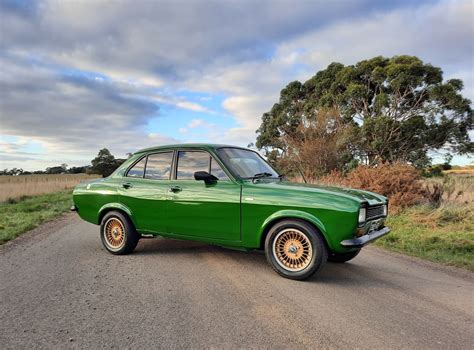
26,213
444,235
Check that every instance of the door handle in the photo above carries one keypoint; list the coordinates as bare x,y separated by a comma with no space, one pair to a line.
175,189
127,185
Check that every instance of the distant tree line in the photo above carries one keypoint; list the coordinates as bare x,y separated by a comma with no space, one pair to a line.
104,164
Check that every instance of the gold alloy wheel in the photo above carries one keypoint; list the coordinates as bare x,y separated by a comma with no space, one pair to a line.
114,233
292,250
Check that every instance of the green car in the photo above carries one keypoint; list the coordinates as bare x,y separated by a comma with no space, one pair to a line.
231,197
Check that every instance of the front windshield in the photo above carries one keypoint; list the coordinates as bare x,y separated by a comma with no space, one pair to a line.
245,163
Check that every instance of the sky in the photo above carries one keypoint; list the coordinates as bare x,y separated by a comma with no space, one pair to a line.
77,76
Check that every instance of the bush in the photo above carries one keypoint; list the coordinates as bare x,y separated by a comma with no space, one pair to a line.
434,171
401,183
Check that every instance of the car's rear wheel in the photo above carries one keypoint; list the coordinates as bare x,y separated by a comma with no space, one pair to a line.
117,233
342,257
295,249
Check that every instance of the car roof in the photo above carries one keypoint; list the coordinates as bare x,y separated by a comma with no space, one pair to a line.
187,146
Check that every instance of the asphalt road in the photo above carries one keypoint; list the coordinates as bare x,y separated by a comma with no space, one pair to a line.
59,288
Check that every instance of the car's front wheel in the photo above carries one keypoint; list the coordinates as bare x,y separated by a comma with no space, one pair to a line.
295,249
117,233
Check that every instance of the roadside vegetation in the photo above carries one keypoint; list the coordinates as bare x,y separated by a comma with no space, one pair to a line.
25,213
28,199
16,187
444,234
431,218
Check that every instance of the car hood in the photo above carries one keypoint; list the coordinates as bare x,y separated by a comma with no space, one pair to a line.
357,195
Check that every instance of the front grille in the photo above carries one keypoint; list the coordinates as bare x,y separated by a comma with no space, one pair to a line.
374,212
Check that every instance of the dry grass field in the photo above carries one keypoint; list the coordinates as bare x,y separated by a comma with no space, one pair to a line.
459,187
467,170
15,187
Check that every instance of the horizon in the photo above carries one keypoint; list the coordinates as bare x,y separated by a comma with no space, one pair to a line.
77,77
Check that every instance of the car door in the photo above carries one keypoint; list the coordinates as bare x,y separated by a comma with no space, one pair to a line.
144,190
200,209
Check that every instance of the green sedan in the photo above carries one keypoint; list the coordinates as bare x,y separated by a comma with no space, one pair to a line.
231,197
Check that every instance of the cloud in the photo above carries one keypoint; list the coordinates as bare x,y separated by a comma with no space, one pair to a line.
196,123
181,103
165,40
72,113
440,33
78,76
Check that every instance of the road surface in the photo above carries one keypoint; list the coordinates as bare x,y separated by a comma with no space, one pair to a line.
60,289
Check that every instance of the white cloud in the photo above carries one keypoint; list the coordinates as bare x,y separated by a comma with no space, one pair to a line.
245,51
182,103
440,33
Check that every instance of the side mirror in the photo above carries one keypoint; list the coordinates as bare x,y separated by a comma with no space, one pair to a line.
206,177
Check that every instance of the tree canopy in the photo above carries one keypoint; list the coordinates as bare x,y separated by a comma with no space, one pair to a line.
397,109
105,163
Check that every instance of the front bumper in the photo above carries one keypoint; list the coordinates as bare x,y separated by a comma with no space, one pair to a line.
365,239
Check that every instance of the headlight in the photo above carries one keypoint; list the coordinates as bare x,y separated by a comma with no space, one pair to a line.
385,210
362,215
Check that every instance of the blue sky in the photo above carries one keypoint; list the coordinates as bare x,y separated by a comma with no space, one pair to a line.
77,76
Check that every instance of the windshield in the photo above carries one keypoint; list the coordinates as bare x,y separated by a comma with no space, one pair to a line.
245,163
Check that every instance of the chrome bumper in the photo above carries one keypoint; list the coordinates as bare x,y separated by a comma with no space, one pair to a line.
365,239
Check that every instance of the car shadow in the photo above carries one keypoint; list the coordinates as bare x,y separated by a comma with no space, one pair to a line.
347,274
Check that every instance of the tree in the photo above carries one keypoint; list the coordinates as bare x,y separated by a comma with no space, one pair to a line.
55,170
317,146
77,169
398,109
104,164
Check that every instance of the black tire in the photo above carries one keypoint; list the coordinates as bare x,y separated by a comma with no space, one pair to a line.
343,257
128,236
312,238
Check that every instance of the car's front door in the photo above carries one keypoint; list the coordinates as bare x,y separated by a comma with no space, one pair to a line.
200,209
144,190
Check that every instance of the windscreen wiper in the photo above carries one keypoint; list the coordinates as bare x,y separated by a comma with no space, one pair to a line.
260,175
263,175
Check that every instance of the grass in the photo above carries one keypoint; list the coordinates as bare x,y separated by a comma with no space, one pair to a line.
20,215
15,187
444,235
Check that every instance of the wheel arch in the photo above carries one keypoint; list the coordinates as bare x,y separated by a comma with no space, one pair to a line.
291,215
114,207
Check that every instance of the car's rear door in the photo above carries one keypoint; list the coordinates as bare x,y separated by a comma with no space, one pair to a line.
199,209
144,190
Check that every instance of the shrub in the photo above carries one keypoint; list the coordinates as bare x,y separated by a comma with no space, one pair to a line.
433,171
401,183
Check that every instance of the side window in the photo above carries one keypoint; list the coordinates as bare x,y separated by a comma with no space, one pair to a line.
217,171
138,169
158,166
191,161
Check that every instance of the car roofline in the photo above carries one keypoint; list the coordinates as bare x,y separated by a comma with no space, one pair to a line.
187,146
